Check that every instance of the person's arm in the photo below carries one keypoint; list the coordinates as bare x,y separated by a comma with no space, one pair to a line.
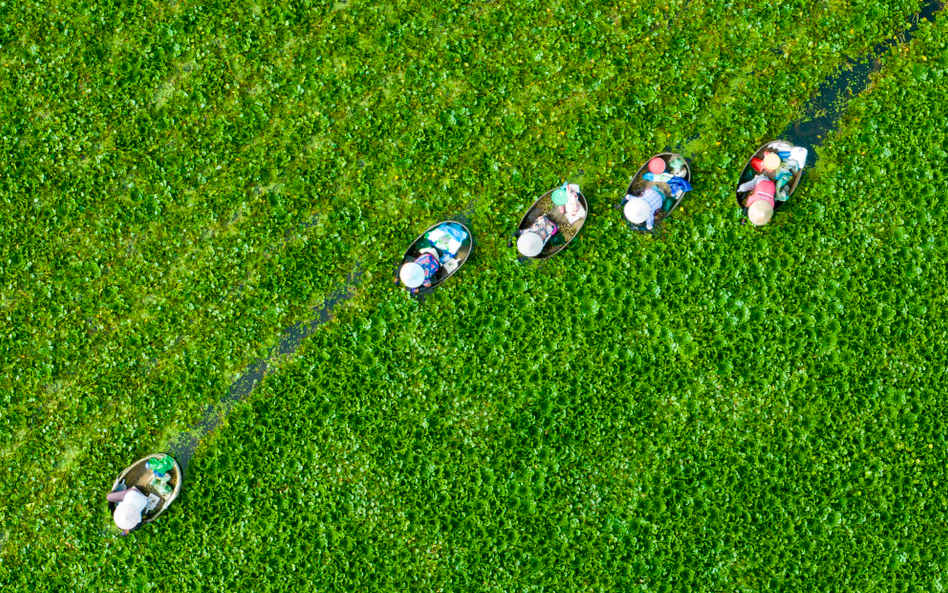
516,235
118,496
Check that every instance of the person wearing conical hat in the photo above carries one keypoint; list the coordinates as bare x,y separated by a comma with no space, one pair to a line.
760,203
128,511
641,209
532,240
419,273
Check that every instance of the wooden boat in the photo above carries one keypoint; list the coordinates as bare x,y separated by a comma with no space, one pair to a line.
639,184
544,205
139,476
413,251
772,146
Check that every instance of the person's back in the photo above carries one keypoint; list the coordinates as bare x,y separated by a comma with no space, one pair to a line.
532,240
641,209
760,204
128,511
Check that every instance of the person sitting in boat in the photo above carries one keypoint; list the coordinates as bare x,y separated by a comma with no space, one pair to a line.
567,198
128,511
420,272
642,208
530,241
760,204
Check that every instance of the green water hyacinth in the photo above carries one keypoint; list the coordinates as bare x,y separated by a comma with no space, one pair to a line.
708,409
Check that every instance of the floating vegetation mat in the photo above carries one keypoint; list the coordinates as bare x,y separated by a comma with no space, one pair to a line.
722,409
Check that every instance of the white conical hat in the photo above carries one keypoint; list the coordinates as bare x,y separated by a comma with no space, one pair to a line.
760,212
128,513
530,244
126,517
412,275
636,210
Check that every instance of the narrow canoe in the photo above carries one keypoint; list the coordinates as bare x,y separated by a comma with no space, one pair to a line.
463,254
639,184
772,146
544,205
138,475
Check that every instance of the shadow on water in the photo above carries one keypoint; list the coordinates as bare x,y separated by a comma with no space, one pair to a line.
828,104
183,446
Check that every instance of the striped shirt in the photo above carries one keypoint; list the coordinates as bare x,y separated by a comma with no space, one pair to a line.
654,199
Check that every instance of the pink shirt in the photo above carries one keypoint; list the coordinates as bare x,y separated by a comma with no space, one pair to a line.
765,190
119,495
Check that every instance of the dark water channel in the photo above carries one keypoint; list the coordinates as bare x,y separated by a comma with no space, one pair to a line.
822,114
820,118
828,104
183,446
